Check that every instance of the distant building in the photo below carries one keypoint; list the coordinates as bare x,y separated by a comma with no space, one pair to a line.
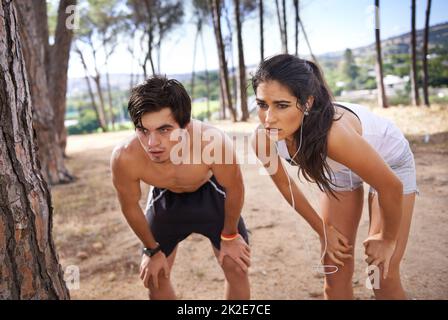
393,83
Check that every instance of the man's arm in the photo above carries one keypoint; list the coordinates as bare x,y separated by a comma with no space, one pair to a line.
129,193
229,176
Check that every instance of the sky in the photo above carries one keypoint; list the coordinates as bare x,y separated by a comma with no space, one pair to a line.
331,25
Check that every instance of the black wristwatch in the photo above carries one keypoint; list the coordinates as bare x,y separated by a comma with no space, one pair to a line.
150,252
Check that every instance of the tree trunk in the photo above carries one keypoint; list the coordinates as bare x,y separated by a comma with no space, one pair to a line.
99,114
233,78
425,54
29,266
382,99
223,71
109,98
260,8
34,45
285,26
150,34
57,68
195,46
281,25
241,64
296,26
207,80
97,80
307,41
414,83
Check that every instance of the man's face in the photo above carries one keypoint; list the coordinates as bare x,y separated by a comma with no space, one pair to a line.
154,135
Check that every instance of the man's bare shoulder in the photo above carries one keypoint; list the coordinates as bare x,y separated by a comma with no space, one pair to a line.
124,154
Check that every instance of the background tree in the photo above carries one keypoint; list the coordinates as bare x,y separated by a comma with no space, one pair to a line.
99,113
296,26
226,97
414,84
382,100
107,18
201,13
157,18
88,44
40,69
242,83
261,14
425,54
57,68
29,268
349,70
281,18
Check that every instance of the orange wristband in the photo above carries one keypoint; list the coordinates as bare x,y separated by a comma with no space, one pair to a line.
229,237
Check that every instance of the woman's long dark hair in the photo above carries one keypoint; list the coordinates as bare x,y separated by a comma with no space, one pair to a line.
304,79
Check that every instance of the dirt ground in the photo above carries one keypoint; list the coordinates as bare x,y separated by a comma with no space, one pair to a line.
91,232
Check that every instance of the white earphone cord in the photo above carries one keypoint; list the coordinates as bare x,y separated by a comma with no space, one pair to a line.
320,267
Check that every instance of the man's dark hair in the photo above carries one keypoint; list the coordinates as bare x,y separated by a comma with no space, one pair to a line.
156,93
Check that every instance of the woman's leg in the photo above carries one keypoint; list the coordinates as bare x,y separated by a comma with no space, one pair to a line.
343,214
391,287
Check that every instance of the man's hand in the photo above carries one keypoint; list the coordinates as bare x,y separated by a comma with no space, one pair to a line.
338,246
151,267
238,250
379,251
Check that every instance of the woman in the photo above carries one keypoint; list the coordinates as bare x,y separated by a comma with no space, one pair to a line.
337,146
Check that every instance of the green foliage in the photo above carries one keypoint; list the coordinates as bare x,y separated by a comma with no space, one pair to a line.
87,123
199,109
349,70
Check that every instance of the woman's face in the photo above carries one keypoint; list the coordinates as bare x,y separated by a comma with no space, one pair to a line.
278,110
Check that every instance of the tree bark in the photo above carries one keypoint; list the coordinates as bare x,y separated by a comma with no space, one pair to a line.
34,35
382,99
425,55
29,266
223,71
57,68
414,83
241,64
261,12
285,26
296,26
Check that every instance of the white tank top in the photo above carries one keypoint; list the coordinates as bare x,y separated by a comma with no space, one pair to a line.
379,132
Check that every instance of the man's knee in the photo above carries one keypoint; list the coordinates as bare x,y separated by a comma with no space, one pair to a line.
232,270
163,291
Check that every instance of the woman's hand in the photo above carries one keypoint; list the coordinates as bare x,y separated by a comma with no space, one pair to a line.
338,246
379,251
238,250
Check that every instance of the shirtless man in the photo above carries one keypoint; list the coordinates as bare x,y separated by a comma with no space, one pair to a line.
188,196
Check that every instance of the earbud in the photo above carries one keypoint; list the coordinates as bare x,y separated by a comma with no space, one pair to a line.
306,112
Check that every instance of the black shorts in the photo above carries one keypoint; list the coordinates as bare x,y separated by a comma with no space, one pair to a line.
174,216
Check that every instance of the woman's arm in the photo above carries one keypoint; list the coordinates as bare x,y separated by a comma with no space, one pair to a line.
265,150
347,147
